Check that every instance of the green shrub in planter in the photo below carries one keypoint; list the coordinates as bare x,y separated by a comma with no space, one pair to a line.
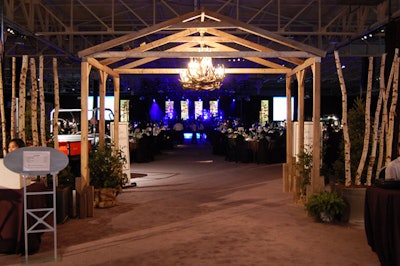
326,206
106,167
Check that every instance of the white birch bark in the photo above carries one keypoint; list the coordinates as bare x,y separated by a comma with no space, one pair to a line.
42,105
34,100
2,112
357,179
22,98
392,111
56,103
346,137
385,119
377,119
13,97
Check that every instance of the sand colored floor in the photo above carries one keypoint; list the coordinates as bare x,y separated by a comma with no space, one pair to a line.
195,208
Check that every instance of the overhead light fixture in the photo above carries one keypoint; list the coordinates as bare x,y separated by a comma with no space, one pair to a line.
201,74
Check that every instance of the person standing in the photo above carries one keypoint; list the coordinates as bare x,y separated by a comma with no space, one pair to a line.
193,128
178,132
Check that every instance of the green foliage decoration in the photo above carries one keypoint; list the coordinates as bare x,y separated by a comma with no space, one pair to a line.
106,167
326,206
304,166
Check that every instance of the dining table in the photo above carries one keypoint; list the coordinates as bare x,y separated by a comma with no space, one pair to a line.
12,218
382,223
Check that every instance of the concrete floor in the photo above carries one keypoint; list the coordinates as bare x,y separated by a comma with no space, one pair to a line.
195,208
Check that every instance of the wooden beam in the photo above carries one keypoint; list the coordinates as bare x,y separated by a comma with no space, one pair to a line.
148,46
205,24
137,34
268,34
257,60
309,62
150,59
251,45
140,71
217,54
101,67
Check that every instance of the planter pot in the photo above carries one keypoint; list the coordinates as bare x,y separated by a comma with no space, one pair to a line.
355,198
105,197
63,203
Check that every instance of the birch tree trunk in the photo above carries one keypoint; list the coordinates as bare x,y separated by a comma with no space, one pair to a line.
2,111
357,179
392,110
34,100
22,98
377,125
385,126
13,97
56,103
346,137
42,102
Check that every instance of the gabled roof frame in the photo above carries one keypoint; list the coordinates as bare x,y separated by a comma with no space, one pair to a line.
187,32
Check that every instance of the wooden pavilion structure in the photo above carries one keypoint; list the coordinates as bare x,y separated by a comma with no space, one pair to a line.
181,37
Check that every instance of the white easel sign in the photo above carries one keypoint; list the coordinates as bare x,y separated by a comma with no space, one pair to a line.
36,161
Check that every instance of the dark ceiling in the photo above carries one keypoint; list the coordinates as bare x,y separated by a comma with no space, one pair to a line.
60,29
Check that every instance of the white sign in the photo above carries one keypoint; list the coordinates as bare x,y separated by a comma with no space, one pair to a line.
36,161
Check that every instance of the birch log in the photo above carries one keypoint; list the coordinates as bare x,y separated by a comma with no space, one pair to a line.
13,97
392,110
56,103
346,137
385,119
22,98
357,179
377,125
34,100
2,111
42,105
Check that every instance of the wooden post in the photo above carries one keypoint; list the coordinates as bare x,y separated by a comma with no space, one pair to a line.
288,169
317,182
102,124
116,111
300,127
85,71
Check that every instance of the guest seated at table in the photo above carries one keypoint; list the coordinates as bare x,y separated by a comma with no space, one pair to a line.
392,171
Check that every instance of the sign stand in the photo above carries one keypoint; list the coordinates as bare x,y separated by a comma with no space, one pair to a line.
37,161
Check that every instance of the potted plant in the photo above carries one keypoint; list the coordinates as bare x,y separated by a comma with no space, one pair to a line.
326,206
106,174
66,184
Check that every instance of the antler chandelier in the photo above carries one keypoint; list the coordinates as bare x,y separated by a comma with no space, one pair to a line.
201,74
